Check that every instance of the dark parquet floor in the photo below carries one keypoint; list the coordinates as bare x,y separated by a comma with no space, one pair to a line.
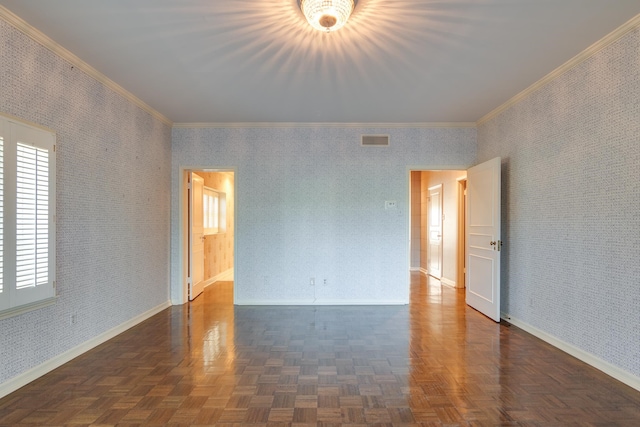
435,362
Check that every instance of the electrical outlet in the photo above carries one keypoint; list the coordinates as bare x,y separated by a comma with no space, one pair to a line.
312,281
324,282
73,318
390,204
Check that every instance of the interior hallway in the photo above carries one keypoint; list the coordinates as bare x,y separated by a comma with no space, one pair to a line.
433,362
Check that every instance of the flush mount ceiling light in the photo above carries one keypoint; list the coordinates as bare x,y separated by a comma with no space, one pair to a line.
327,15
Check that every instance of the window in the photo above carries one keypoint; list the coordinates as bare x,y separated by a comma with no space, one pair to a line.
27,211
215,211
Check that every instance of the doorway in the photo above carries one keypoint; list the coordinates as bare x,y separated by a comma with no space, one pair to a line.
436,215
208,225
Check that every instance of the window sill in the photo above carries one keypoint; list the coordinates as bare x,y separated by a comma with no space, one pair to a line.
16,311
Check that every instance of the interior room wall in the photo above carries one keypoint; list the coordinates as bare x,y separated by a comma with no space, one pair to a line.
218,248
571,205
449,181
113,184
310,203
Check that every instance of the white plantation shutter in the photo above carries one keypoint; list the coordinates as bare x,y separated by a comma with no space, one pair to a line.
32,217
27,208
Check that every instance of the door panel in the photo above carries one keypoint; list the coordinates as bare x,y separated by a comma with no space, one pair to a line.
483,238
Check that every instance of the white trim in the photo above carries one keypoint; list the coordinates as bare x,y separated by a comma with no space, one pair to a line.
276,125
416,269
25,308
42,39
615,35
17,119
224,276
320,302
32,374
588,358
448,282
424,271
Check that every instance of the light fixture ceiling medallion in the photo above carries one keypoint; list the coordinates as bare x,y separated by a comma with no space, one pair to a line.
327,15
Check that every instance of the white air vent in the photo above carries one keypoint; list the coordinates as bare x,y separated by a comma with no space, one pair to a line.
375,140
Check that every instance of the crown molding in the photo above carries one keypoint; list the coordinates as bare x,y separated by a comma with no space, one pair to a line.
292,125
42,39
612,37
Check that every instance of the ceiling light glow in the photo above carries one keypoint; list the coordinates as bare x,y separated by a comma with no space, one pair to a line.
327,15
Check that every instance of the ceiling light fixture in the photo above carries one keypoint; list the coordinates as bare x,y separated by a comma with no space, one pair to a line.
327,15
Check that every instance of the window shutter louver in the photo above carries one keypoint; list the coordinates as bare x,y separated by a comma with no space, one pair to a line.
32,217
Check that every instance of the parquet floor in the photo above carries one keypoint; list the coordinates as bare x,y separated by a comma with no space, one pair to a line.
435,362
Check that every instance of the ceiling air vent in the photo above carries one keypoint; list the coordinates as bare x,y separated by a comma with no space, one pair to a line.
375,140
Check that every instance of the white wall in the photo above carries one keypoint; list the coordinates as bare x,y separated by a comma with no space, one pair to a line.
310,203
113,169
571,205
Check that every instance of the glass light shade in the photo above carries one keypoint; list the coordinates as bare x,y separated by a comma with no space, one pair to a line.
327,15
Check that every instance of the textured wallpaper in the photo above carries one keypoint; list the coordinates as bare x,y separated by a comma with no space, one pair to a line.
571,204
310,203
113,169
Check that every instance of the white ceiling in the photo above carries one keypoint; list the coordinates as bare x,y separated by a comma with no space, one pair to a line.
396,61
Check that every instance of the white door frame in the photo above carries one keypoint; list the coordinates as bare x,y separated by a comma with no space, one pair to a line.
432,168
196,282
436,274
462,218
183,223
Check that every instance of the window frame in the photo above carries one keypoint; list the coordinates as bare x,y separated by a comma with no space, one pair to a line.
15,132
214,221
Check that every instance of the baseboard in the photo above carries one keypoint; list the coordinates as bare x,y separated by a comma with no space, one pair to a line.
588,358
225,275
415,269
443,280
32,374
448,282
322,302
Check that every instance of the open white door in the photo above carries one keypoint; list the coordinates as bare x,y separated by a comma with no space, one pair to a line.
483,238
196,282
